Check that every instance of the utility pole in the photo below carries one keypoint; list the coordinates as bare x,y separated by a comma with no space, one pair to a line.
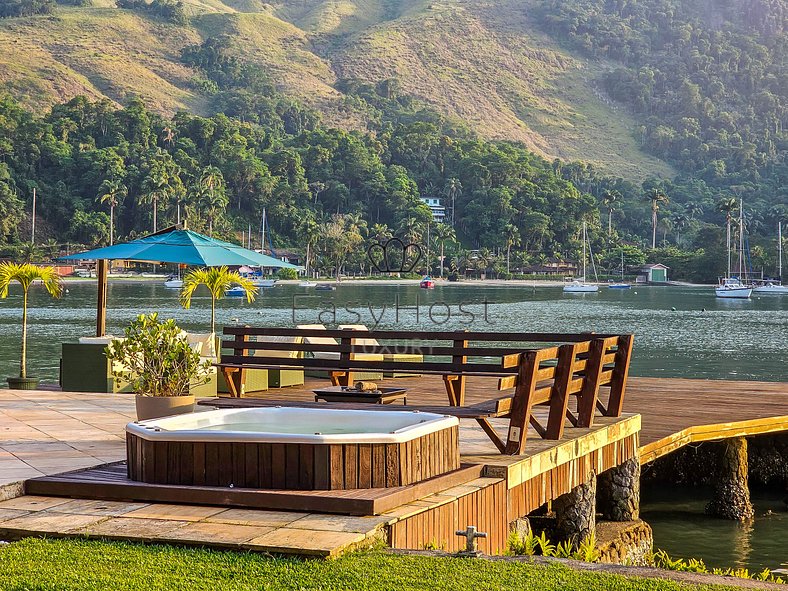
33,230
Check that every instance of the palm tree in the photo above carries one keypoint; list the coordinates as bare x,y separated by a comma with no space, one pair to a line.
411,229
25,274
380,232
213,199
610,198
443,232
694,209
310,231
679,221
112,193
452,189
512,239
655,196
218,280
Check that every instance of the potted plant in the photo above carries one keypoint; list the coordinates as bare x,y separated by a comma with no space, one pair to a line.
155,357
25,274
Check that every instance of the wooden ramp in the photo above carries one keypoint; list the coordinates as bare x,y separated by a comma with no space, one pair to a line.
677,412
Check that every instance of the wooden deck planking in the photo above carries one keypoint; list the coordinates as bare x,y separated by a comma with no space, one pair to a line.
674,411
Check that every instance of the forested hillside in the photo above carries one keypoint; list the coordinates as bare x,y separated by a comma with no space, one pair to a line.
336,118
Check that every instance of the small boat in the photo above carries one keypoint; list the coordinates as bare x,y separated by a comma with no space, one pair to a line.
263,282
325,287
732,288
307,284
620,284
773,287
580,285
427,283
173,282
235,291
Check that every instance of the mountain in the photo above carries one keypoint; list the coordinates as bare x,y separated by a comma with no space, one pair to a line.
487,64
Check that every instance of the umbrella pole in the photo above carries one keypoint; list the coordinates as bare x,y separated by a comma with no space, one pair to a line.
101,304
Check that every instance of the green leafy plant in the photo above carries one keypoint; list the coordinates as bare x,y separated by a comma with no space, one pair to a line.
522,545
564,549
25,274
218,280
587,550
287,274
156,358
546,548
661,559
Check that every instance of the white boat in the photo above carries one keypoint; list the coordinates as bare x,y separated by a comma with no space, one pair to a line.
173,283
620,284
307,284
732,288
772,286
580,285
263,282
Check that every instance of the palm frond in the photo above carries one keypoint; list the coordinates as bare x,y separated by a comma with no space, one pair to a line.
25,274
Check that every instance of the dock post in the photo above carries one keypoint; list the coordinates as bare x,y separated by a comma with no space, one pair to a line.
618,492
575,512
731,492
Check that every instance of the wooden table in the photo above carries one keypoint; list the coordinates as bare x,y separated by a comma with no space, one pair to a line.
344,394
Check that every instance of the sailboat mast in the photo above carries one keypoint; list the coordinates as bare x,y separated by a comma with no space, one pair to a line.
741,237
262,233
584,252
780,250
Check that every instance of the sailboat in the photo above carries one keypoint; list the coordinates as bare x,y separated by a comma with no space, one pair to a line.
732,287
174,281
622,284
580,285
772,285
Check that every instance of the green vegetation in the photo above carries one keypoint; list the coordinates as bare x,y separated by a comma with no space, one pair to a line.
85,566
156,357
25,7
706,80
25,275
693,565
217,280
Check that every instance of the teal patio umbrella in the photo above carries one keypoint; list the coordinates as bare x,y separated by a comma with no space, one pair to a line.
173,245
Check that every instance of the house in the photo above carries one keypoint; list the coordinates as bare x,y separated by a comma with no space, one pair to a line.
437,209
653,273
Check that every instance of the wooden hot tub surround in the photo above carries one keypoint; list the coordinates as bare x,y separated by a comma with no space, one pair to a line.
295,466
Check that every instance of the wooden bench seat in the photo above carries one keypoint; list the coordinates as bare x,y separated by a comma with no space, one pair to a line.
578,367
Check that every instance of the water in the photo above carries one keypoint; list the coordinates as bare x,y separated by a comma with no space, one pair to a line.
679,332
683,531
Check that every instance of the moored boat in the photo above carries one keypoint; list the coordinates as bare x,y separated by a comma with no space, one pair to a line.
732,288
580,285
235,291
307,284
771,287
427,283
173,282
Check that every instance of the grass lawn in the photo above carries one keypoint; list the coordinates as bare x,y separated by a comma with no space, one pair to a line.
35,564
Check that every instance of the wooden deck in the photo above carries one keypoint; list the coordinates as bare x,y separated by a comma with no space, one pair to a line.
675,412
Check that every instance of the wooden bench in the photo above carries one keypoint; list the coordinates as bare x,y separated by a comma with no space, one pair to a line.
578,367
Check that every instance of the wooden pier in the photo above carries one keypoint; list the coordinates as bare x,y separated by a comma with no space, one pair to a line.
661,415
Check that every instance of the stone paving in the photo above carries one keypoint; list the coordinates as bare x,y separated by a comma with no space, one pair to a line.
44,432
49,432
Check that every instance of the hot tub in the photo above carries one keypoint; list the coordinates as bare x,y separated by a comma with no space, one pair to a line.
293,448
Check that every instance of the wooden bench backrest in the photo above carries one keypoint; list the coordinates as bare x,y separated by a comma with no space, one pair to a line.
455,355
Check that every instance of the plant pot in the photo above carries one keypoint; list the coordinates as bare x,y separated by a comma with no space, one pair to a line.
23,383
155,407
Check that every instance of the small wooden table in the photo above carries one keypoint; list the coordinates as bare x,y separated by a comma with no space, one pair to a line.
345,394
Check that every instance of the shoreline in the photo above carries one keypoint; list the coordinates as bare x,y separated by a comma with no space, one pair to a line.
532,283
